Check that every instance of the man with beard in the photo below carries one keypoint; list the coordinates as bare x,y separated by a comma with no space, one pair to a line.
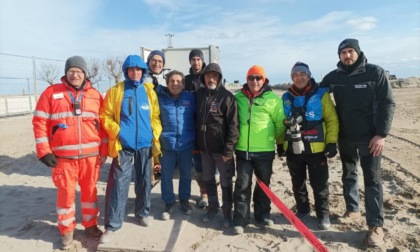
365,108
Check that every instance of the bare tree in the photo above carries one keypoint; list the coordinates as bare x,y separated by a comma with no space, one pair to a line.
94,72
113,68
48,73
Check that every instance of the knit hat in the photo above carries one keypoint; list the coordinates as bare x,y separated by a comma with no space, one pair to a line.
196,53
349,43
256,70
156,52
300,67
76,61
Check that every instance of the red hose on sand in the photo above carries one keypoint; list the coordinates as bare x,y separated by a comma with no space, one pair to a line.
303,230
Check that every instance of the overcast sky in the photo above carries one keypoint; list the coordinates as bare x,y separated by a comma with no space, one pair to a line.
271,33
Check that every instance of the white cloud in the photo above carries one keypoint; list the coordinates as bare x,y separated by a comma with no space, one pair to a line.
363,24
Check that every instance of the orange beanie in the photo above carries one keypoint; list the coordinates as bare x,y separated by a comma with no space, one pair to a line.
256,70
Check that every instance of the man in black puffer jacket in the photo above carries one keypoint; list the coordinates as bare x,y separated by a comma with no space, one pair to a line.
365,108
217,134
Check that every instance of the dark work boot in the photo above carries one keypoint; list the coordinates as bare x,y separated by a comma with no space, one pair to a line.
212,211
227,216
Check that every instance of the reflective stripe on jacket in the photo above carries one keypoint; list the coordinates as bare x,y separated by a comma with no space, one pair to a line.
59,130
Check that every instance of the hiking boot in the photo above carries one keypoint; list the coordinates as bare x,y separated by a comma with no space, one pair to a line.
324,222
211,213
185,207
66,240
146,221
167,213
302,216
238,230
349,217
227,217
375,236
266,222
203,201
93,232
107,236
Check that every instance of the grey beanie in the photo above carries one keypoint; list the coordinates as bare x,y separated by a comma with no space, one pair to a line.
76,61
349,43
196,53
300,67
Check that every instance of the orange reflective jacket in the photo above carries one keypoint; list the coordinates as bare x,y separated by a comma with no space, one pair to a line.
59,130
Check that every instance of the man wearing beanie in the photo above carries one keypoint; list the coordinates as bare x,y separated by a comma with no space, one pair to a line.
310,111
216,136
70,140
261,115
192,84
131,117
365,108
155,64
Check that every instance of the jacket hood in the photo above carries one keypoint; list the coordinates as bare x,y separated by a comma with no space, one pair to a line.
135,61
212,67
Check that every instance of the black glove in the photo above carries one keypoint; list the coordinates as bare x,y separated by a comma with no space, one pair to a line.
331,150
49,160
280,151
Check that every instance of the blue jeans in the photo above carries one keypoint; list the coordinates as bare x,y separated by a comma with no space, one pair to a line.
168,162
371,167
119,183
263,169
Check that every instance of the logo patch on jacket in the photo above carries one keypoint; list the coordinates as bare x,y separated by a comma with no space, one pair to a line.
213,107
186,103
144,106
58,96
360,86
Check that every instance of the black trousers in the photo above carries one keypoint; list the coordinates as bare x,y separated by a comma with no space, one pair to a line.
317,167
263,169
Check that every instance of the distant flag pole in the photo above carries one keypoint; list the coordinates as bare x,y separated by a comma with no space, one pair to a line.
303,230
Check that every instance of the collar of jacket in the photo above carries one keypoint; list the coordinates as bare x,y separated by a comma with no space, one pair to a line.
264,88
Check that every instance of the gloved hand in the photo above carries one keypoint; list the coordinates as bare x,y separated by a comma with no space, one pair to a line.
49,160
280,151
331,150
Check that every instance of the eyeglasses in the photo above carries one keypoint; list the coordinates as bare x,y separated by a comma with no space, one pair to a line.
71,72
253,77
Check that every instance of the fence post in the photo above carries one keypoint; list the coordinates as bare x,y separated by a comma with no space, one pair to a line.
34,75
29,94
7,106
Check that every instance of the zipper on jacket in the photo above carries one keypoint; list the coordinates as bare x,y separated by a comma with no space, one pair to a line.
137,123
177,123
249,128
79,124
130,105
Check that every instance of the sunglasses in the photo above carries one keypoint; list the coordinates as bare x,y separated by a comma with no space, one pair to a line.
252,78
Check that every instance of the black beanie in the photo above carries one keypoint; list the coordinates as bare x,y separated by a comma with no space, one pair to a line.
196,53
76,61
349,43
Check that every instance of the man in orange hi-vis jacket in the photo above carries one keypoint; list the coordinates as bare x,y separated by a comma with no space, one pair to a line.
69,139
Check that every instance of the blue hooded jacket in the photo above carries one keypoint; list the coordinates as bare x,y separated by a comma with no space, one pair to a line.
135,126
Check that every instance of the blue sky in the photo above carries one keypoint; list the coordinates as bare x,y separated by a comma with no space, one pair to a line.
271,33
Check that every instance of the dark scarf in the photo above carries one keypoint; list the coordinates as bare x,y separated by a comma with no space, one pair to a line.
301,91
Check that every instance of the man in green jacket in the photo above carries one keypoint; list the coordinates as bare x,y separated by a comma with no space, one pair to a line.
261,126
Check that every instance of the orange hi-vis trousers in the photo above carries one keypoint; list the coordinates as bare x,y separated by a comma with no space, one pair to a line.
68,172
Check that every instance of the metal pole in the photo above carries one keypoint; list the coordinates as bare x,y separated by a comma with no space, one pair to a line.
34,76
29,94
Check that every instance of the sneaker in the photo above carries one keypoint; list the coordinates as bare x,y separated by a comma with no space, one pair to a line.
146,221
302,216
238,230
266,222
185,207
66,240
167,213
203,202
324,223
211,213
349,217
375,236
107,236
